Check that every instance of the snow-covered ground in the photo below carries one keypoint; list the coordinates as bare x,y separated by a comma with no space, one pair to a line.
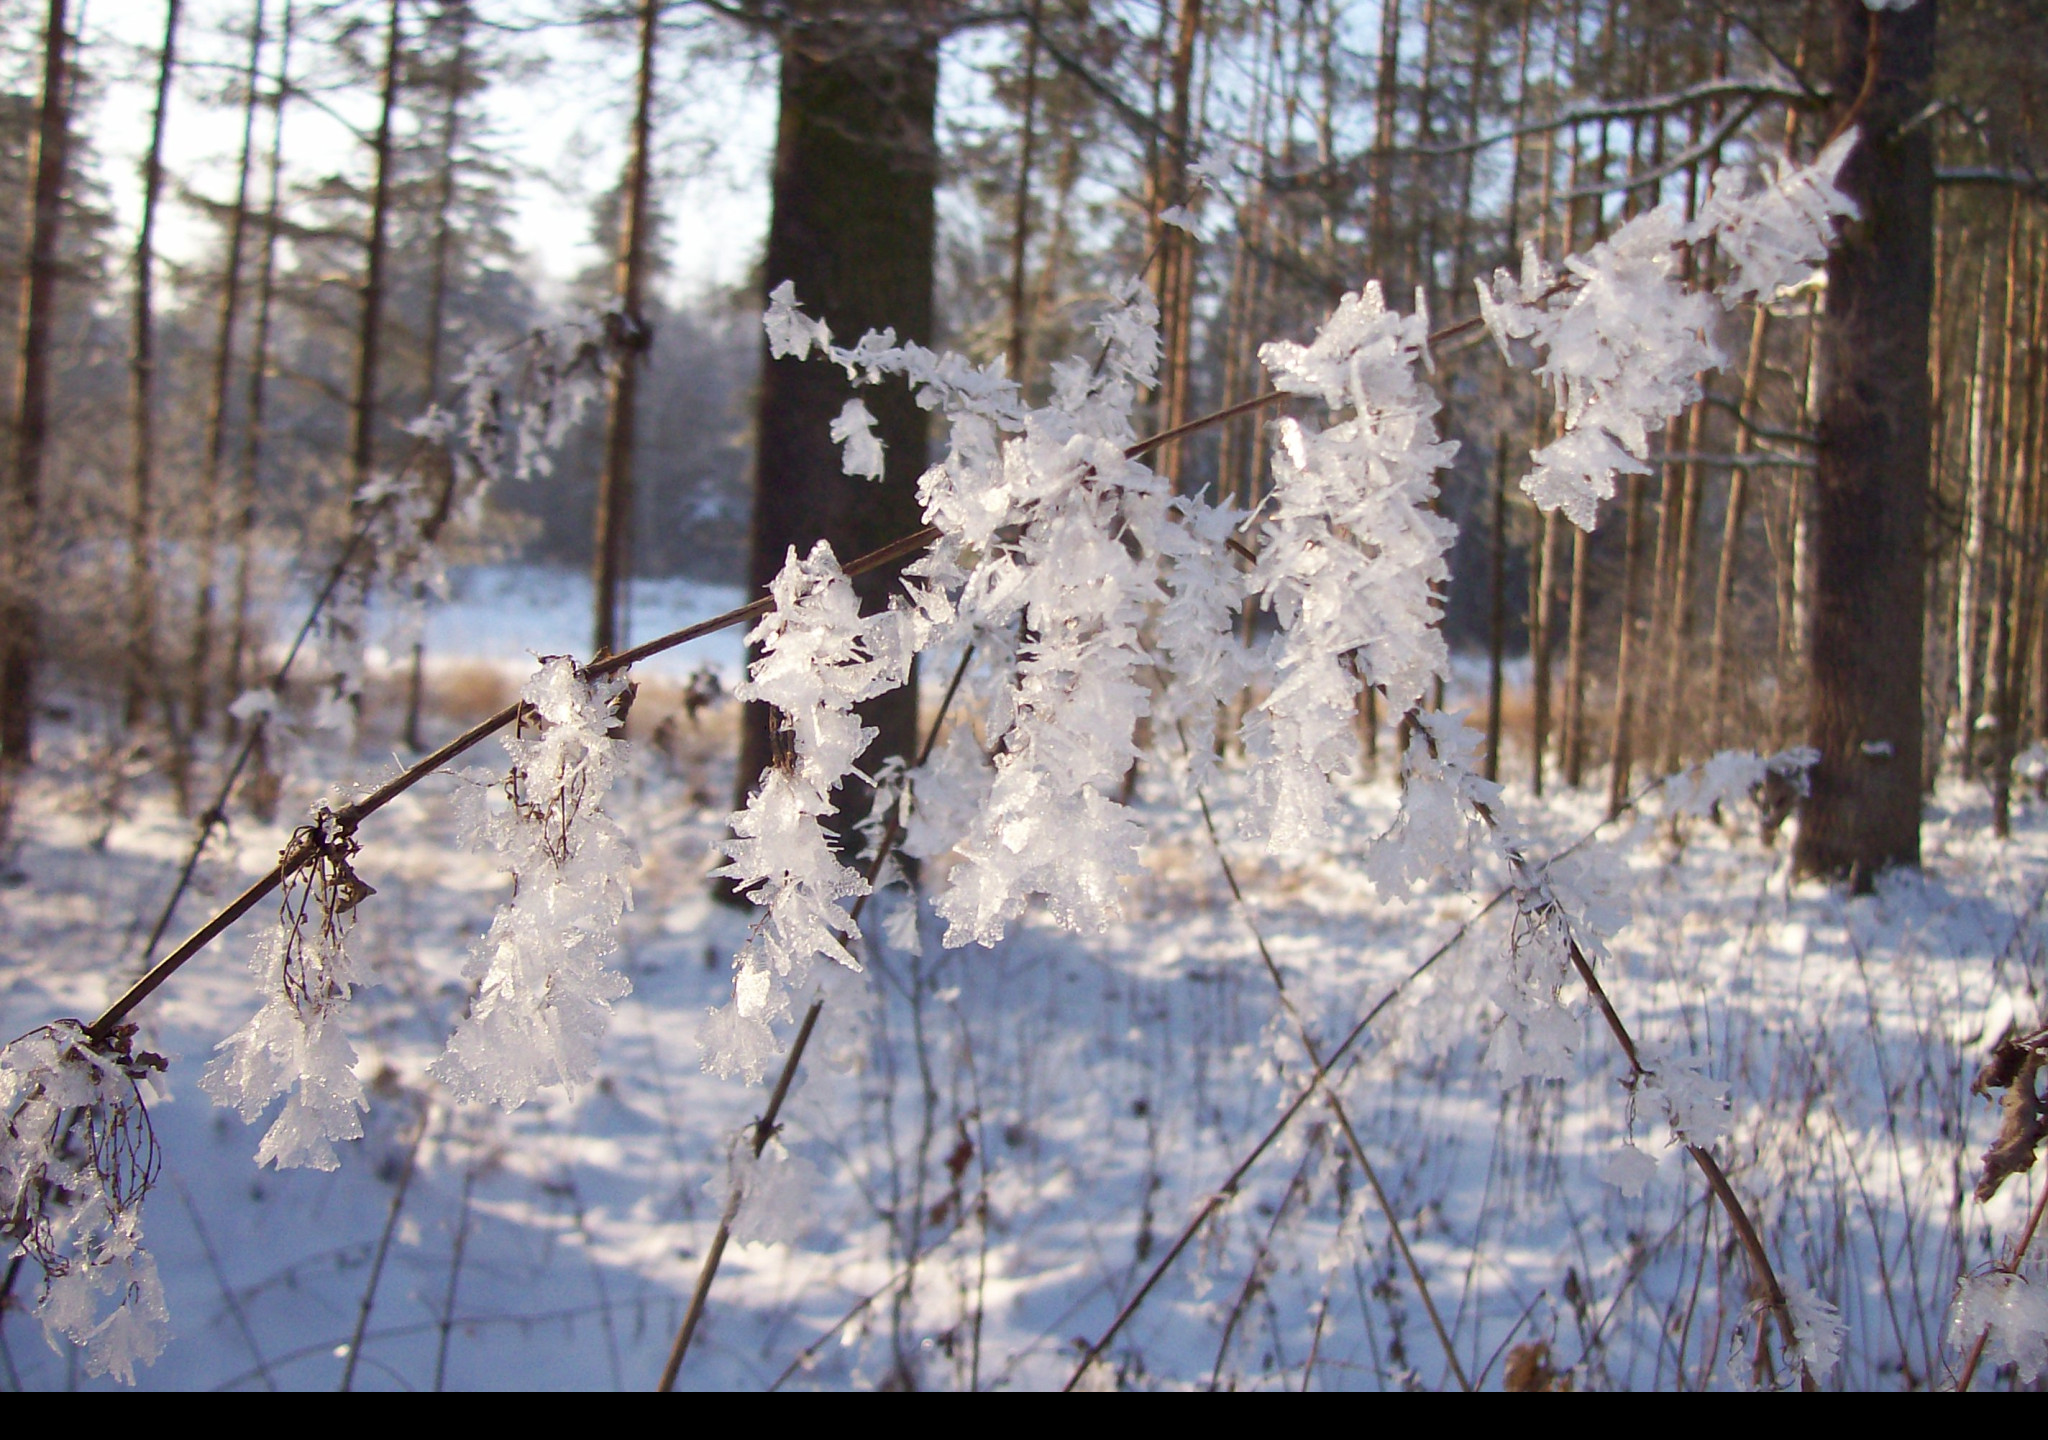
989,1149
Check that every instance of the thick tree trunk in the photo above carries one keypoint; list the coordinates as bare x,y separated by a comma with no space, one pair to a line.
853,227
1870,492
20,547
614,527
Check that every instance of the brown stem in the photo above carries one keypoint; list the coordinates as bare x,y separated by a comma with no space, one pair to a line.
1337,1109
2026,1239
765,1126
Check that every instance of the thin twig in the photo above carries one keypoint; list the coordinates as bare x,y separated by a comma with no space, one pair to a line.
355,1343
2026,1239
1336,1105
766,1125
1218,1197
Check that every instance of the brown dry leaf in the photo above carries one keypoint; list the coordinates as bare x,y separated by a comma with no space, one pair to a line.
1529,1371
2022,1122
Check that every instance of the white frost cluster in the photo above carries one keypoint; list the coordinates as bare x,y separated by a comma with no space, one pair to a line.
295,1045
1623,341
545,995
1819,1328
1773,236
75,1157
2014,1312
855,431
819,659
1082,582
1350,557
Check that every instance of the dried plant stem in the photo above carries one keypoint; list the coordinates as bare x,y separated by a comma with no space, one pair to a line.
1717,1179
354,814
1224,1192
369,1300
227,1292
766,1125
447,1323
1336,1105
1976,1355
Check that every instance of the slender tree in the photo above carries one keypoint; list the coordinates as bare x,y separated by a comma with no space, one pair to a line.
142,658
21,547
199,687
615,487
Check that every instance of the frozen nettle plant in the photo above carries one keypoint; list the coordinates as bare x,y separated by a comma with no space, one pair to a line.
77,1155
819,658
544,994
1103,613
295,1045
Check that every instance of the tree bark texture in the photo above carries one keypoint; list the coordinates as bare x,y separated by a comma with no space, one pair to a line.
1870,491
614,527
142,658
853,226
20,551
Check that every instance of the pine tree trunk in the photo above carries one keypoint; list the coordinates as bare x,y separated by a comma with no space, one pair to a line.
1970,569
142,658
1870,500
370,326
437,336
1574,736
1721,731
1677,657
1496,604
614,523
21,546
1542,635
251,462
853,227
1020,227
198,690
1386,89
1622,746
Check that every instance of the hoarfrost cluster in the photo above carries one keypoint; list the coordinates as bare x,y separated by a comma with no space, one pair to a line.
77,1155
544,993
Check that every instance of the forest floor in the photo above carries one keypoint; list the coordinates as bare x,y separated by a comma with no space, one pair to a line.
989,1149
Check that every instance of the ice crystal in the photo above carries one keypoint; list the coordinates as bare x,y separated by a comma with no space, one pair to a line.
77,1155
819,658
1774,236
295,1045
1623,344
2011,1314
855,430
544,994
1351,557
1819,1328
